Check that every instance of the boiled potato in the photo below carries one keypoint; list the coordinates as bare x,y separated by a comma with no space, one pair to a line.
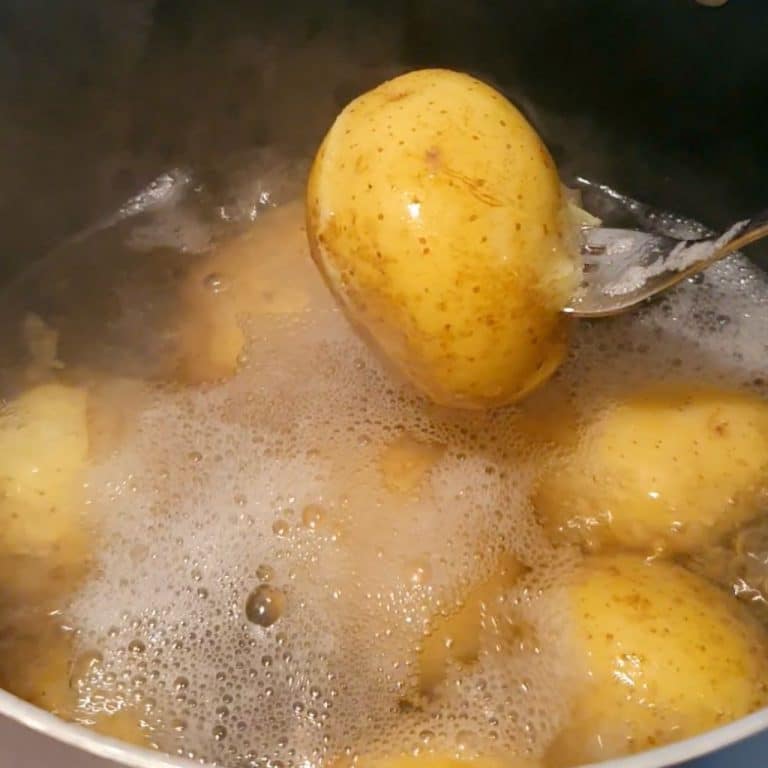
35,659
436,216
37,665
43,442
665,655
405,463
444,761
43,449
665,469
258,275
458,638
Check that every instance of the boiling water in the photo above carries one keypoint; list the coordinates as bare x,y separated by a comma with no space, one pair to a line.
274,546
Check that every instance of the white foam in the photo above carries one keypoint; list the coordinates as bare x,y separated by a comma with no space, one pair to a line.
212,486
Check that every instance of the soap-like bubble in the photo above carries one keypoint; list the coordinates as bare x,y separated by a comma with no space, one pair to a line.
311,515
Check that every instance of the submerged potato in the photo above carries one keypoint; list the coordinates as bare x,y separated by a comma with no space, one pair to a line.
405,463
258,276
668,469
37,665
43,448
481,621
436,215
444,761
666,656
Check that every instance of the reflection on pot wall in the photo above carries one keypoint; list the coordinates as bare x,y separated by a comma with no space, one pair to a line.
98,98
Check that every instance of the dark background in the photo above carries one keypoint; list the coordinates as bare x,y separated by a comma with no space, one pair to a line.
665,99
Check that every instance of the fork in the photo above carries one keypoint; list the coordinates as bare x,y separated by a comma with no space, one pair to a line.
623,267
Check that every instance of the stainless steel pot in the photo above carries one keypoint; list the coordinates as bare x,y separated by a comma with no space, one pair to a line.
664,99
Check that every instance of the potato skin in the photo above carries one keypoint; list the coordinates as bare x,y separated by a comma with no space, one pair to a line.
43,450
264,275
668,469
436,216
437,760
666,656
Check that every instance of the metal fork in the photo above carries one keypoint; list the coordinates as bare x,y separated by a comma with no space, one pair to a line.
624,267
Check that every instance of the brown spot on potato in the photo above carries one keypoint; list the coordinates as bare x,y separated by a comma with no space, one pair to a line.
398,95
433,158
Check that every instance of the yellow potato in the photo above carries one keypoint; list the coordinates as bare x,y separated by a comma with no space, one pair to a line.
43,449
665,469
436,215
458,638
43,442
666,655
37,665
34,665
261,274
405,463
444,761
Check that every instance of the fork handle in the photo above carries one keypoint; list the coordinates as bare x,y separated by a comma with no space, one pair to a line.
744,233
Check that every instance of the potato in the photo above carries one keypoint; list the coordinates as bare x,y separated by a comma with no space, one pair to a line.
37,665
43,449
262,274
405,463
444,761
664,469
458,638
436,215
665,654
35,660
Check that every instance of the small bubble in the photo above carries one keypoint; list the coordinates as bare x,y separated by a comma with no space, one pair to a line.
265,573
136,647
214,282
195,457
178,725
466,740
421,572
265,605
280,528
312,516
181,683
83,665
219,732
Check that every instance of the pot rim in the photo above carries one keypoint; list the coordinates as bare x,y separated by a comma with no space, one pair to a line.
78,736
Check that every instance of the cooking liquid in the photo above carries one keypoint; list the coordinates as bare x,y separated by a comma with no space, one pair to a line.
270,549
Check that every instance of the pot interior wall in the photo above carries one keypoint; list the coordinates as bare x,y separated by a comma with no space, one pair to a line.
665,100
